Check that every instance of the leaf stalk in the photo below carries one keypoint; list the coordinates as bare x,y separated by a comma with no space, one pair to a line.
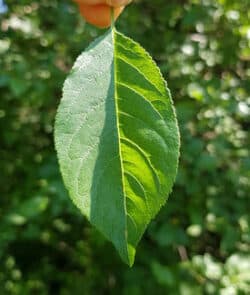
112,18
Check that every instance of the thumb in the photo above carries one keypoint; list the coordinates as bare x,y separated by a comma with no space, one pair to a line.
117,3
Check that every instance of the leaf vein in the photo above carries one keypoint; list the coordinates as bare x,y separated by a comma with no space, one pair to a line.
146,158
142,188
90,111
138,71
138,119
142,96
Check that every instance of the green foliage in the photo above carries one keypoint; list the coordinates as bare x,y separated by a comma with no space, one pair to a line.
117,139
199,243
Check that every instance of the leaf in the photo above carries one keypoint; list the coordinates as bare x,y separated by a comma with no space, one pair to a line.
117,139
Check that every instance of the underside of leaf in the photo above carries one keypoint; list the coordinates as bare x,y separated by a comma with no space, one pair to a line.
117,139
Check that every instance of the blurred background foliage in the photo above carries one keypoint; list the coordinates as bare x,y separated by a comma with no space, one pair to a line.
200,241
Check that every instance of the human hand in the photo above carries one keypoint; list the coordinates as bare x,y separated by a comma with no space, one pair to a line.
98,12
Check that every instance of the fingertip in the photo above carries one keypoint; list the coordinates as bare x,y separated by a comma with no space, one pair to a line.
99,15
117,3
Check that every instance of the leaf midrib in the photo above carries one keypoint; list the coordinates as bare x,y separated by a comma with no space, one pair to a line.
113,31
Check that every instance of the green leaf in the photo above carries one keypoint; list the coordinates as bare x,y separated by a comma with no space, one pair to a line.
117,139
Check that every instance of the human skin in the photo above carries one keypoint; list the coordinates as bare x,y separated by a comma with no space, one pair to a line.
98,12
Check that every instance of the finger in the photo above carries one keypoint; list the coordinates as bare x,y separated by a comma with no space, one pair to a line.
91,2
114,3
117,3
99,15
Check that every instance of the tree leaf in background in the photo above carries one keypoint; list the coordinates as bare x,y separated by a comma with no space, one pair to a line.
117,139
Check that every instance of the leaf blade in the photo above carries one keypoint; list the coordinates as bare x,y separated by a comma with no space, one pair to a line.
116,119
148,127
